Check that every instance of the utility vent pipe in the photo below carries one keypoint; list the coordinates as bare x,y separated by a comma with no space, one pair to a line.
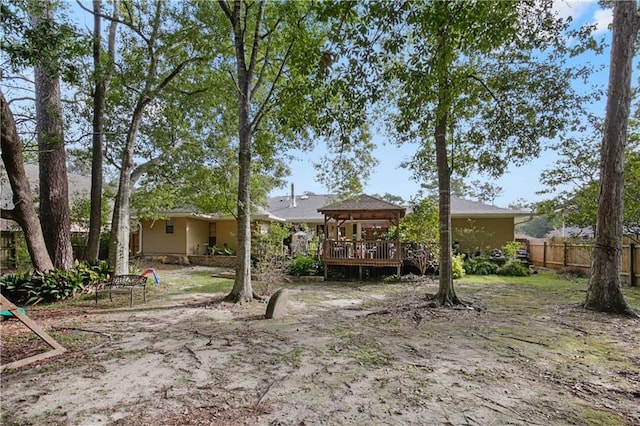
293,197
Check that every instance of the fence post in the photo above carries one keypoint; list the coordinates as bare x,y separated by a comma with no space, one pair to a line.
632,258
564,256
544,255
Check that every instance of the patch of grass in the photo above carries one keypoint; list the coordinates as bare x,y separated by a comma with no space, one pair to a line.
591,349
211,285
542,279
632,296
343,331
369,352
594,417
292,358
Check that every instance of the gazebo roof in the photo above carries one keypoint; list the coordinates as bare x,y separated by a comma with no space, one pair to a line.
363,207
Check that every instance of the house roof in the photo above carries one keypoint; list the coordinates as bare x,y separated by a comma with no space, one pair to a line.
363,207
79,188
304,210
466,208
310,208
190,211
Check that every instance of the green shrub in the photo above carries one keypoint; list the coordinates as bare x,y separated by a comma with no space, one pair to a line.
303,264
480,266
220,251
29,288
513,268
511,248
457,266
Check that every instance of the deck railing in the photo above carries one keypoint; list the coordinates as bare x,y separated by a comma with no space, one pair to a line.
369,250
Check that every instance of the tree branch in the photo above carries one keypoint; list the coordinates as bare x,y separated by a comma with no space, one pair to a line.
256,40
115,19
263,107
174,73
487,88
225,8
8,214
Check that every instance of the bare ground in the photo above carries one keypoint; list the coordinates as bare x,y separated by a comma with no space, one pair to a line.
345,354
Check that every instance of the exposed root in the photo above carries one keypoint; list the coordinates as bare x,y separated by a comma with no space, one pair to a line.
445,299
619,309
256,296
241,297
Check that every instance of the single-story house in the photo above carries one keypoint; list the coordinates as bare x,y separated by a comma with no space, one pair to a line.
186,232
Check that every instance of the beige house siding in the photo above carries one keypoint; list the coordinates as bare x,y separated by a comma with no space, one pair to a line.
156,240
226,234
197,236
492,232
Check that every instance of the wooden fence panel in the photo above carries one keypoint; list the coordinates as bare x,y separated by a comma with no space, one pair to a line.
537,254
560,255
555,256
578,256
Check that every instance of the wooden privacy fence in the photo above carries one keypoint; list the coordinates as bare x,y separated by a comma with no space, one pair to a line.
561,255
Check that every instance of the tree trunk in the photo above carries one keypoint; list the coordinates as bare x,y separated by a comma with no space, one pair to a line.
446,295
24,212
604,292
95,216
120,227
242,290
54,189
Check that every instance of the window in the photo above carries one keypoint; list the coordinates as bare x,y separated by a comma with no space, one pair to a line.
169,226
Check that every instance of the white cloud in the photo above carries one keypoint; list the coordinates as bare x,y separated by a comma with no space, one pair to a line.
602,19
574,8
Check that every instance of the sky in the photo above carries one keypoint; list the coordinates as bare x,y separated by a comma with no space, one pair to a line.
519,183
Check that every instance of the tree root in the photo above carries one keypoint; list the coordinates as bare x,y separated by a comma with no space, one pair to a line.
83,329
256,296
618,309
242,298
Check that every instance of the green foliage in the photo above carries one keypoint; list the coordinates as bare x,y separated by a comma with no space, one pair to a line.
513,268
537,227
22,259
421,225
457,266
36,287
264,246
473,239
511,248
576,173
480,266
54,43
305,265
220,251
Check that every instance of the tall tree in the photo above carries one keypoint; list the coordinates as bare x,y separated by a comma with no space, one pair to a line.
23,212
249,26
155,51
101,79
269,41
479,84
54,189
604,292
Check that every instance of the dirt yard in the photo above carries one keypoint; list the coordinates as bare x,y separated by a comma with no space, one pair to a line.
345,354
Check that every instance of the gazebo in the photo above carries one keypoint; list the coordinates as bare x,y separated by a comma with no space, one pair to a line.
354,237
